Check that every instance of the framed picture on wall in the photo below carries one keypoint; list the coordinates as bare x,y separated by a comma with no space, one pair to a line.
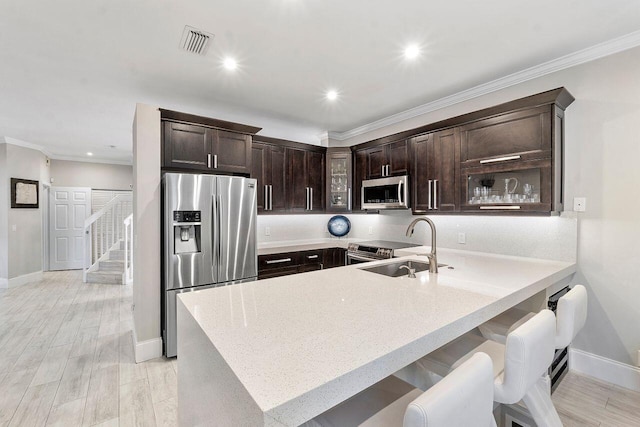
24,193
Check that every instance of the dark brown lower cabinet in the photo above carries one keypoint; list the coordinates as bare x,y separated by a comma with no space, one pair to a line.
286,263
334,257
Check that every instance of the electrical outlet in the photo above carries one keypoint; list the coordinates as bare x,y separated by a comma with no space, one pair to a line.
14,227
462,238
579,204
267,231
370,229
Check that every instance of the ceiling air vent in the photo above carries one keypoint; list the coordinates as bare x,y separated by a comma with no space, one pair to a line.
195,41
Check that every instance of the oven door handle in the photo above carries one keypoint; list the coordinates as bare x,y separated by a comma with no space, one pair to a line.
360,258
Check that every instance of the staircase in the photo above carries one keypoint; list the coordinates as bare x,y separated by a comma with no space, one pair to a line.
111,268
108,240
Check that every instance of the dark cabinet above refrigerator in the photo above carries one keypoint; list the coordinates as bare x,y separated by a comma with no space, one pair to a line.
205,145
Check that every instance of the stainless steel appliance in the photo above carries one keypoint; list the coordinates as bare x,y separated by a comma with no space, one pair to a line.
358,253
209,238
386,193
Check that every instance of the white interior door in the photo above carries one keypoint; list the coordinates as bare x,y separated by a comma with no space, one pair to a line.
68,208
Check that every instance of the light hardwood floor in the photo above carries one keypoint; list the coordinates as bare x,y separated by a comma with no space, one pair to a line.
66,359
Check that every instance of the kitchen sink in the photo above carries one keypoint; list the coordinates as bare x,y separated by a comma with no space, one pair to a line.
393,269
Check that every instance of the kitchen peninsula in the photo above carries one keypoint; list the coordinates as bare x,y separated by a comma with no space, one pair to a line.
279,352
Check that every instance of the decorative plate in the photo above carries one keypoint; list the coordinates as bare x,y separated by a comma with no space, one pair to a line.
339,225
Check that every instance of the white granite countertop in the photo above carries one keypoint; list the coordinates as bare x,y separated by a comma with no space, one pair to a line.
301,344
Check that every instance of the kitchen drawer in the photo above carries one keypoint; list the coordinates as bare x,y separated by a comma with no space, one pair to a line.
282,260
310,267
312,257
277,272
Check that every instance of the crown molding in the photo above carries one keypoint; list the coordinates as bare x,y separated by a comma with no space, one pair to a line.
25,144
592,53
91,160
54,156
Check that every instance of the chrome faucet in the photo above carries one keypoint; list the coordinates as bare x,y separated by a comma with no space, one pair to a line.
433,258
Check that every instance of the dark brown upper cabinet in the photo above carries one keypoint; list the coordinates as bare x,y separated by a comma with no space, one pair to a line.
268,168
339,177
521,135
291,176
359,158
305,180
435,172
204,144
506,159
390,159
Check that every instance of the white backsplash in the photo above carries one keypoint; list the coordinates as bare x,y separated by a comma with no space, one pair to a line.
537,237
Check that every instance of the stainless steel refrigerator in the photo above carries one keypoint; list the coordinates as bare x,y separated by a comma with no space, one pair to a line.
209,225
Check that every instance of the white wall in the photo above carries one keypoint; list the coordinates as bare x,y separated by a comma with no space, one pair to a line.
602,148
24,245
98,176
146,221
4,212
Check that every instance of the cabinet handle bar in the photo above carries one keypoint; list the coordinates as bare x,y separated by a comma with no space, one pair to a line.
500,159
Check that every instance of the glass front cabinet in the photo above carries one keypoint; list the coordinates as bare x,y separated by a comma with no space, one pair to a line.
516,187
339,176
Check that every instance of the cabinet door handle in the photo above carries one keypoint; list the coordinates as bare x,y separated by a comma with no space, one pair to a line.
511,208
270,197
209,160
311,198
307,195
266,197
500,159
387,170
435,194
349,198
215,161
278,261
382,170
429,205
312,256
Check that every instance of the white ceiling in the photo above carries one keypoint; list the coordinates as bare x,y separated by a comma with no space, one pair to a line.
71,71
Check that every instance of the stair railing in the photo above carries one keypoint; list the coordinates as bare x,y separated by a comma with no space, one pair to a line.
127,279
104,230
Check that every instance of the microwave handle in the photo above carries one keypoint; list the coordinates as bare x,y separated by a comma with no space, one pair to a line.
400,191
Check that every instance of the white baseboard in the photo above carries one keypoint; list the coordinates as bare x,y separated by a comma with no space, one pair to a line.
146,350
21,280
604,369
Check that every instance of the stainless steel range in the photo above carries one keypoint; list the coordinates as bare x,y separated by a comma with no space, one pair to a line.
375,250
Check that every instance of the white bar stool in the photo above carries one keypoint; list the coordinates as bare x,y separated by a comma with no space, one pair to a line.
571,315
519,367
462,398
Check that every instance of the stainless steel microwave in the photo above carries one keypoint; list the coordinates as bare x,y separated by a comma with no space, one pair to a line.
386,193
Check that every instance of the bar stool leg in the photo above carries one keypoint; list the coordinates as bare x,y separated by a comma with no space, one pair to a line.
539,404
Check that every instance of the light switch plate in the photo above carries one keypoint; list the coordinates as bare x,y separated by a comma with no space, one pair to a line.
267,231
462,238
579,204
14,227
370,230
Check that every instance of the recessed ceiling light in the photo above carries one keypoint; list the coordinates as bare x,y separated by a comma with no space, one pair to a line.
230,64
412,51
332,95
89,153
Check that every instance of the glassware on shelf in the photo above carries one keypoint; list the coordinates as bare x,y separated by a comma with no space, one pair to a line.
519,188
